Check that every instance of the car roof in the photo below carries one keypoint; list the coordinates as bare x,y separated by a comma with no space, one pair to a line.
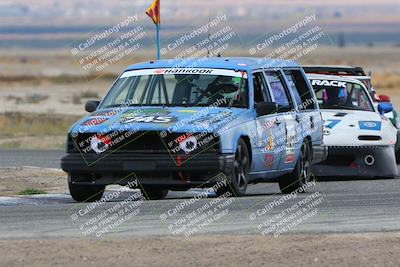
235,63
347,70
335,78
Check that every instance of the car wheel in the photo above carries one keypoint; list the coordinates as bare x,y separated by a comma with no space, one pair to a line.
154,193
301,174
237,183
86,193
398,156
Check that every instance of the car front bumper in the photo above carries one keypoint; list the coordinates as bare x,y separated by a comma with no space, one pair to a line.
358,161
152,169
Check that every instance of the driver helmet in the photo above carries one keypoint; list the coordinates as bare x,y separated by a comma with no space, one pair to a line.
335,96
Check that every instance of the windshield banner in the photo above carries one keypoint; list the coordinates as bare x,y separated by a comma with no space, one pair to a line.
185,71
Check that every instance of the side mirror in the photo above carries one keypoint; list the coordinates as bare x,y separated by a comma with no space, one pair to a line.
92,105
266,108
384,108
384,98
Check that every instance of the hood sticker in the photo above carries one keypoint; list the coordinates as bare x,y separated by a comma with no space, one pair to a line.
151,115
331,123
148,119
370,125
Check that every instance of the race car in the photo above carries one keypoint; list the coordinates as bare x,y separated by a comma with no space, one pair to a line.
179,124
360,140
359,74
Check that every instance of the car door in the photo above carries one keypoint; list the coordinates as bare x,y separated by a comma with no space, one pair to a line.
308,116
267,155
287,139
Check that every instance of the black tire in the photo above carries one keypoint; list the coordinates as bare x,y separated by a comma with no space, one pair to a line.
154,193
398,156
237,184
86,193
301,174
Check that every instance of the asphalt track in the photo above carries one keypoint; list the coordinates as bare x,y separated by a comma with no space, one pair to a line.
329,207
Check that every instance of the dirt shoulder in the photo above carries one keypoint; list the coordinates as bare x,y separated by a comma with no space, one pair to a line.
14,180
371,249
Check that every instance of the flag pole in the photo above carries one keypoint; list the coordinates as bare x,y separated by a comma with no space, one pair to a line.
158,42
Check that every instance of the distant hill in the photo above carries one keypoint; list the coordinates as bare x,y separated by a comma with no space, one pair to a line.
54,22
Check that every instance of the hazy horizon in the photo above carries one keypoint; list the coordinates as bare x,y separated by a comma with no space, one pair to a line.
55,23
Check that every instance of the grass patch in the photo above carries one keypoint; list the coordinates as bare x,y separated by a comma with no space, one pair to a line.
11,145
90,94
31,191
22,124
386,81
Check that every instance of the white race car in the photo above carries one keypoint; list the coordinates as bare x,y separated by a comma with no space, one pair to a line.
360,139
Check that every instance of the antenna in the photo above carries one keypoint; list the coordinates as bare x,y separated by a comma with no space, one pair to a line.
208,31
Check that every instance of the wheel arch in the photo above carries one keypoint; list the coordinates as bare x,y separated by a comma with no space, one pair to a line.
246,139
308,140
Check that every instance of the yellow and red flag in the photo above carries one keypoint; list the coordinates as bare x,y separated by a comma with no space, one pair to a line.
154,12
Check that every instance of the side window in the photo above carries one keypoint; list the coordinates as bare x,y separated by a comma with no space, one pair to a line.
293,89
260,92
277,88
299,87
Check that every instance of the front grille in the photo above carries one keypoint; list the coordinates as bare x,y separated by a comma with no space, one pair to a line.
354,147
144,142
342,160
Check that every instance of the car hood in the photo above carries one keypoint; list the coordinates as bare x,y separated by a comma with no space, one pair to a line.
355,128
170,119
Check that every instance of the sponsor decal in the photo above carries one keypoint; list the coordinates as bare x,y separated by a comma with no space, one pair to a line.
330,124
289,158
270,143
148,119
155,111
189,144
269,160
185,71
100,144
370,125
329,83
152,115
291,133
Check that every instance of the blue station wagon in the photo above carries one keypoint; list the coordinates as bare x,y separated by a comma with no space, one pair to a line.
179,124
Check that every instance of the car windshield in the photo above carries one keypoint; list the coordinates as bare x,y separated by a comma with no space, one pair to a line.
179,87
341,95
